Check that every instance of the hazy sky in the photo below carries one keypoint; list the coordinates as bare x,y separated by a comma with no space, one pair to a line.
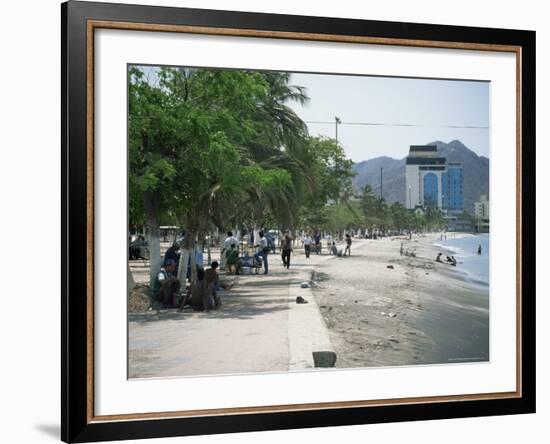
434,105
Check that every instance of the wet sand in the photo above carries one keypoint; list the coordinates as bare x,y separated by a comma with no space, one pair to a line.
418,312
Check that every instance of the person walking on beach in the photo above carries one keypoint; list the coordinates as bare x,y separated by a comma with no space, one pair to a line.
286,248
348,245
479,249
307,244
329,241
230,239
231,259
264,251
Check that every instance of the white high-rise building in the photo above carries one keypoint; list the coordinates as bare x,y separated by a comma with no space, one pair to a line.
424,177
482,214
481,208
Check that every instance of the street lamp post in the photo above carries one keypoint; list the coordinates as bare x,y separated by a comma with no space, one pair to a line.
381,182
410,201
337,121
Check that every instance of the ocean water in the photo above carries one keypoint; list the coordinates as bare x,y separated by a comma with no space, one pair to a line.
464,249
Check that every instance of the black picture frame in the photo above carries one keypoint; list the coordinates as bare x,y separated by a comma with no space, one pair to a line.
76,423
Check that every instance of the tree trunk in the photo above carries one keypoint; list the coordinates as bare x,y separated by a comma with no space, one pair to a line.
190,244
131,282
193,263
187,255
151,201
182,269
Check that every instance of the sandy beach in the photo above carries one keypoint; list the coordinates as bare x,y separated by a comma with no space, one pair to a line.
418,312
373,308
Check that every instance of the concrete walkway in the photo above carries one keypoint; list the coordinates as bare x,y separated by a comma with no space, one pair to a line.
259,328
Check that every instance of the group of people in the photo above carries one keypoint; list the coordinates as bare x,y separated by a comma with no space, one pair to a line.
232,262
448,259
201,295
451,260
338,251
308,242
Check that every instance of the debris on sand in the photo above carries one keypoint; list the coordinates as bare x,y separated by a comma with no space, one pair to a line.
300,300
305,285
140,301
390,267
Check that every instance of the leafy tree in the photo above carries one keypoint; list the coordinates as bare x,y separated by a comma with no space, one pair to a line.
401,217
434,218
204,141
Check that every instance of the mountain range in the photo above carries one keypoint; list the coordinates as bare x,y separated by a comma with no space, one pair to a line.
475,171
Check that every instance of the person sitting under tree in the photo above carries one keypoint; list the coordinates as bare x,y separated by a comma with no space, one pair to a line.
166,286
211,283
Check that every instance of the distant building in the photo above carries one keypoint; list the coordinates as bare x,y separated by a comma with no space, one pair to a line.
482,214
452,189
424,173
459,223
432,182
481,208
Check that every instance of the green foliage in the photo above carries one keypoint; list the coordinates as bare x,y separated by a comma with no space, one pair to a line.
343,217
402,218
333,171
223,147
375,209
434,218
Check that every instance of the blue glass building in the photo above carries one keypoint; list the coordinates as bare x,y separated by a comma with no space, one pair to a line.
431,190
452,188
432,182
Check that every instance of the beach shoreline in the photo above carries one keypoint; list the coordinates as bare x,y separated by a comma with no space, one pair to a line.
385,309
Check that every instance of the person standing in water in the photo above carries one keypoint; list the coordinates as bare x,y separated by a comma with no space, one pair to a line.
479,249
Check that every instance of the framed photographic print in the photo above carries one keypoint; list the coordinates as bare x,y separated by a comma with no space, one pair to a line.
276,221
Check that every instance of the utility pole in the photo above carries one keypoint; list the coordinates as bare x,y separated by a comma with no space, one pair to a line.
381,182
337,122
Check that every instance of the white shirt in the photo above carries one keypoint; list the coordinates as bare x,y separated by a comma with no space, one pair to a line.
230,241
161,275
307,240
263,242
